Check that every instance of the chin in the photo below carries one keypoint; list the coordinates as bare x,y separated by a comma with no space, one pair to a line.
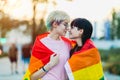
70,36
63,34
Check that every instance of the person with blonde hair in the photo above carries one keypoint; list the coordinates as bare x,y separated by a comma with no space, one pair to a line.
50,50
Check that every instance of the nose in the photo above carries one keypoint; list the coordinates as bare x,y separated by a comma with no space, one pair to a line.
68,29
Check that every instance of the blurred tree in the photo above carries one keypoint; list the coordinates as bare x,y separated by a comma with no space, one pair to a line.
118,27
27,31
7,24
41,28
115,28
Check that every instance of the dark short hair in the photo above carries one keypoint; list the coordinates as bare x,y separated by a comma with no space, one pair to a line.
82,23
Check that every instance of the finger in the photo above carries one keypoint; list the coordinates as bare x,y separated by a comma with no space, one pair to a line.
54,54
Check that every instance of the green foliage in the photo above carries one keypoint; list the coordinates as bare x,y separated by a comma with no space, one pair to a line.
111,55
118,28
42,28
115,26
111,59
104,55
114,68
3,55
6,24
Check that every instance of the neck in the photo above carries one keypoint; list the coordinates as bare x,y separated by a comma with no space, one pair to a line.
79,42
54,36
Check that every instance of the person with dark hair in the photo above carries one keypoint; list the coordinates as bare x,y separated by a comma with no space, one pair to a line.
26,53
84,62
13,57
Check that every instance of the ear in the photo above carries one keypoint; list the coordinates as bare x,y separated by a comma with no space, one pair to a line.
54,24
81,31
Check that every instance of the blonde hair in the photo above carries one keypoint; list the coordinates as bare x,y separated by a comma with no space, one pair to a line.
57,16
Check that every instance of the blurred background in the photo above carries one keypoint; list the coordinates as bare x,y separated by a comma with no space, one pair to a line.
22,20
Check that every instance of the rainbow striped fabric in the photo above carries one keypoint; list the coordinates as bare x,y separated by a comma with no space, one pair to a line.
38,59
85,64
40,56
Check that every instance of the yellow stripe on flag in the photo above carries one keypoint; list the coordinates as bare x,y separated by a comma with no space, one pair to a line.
26,76
94,72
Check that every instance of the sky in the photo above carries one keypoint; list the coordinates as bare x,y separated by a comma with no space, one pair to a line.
93,10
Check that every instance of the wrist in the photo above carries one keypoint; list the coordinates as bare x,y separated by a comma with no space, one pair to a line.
47,67
44,69
51,64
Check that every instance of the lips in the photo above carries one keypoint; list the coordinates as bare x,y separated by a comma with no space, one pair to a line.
65,31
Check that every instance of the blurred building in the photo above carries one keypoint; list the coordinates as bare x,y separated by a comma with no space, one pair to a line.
95,30
107,25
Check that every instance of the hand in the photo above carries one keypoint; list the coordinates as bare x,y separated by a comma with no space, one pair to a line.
54,60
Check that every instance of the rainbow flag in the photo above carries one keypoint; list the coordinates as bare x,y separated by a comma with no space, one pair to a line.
85,64
38,59
40,56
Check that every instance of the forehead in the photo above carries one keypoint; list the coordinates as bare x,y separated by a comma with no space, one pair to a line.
74,27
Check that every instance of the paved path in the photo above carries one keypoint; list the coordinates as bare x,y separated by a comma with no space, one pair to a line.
5,73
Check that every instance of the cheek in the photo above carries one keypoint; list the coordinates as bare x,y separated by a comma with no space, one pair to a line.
61,31
60,27
75,33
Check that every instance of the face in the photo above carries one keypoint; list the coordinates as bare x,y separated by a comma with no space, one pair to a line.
75,33
62,28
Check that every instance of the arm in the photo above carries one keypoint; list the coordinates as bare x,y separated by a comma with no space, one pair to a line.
54,59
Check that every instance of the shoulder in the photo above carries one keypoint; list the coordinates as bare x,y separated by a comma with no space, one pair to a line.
42,35
72,43
66,39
